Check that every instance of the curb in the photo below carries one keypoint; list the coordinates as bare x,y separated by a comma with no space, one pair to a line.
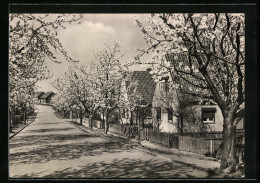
10,137
142,148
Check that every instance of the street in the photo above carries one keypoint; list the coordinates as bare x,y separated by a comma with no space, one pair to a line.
54,148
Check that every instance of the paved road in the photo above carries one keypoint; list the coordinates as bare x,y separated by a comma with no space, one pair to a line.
53,148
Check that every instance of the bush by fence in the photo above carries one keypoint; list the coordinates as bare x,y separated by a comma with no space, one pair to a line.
124,130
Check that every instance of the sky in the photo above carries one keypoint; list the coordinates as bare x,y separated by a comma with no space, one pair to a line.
82,40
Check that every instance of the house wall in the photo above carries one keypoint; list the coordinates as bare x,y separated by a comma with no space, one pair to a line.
241,124
168,126
218,125
165,100
124,98
48,100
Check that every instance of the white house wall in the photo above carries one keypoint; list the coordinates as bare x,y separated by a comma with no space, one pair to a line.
166,126
218,125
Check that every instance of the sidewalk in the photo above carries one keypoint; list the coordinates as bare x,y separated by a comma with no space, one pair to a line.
19,127
190,159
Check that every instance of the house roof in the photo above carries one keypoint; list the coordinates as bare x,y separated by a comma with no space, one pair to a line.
146,85
46,95
188,82
38,94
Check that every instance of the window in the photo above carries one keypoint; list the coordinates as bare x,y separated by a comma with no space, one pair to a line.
161,86
167,87
158,113
170,114
208,115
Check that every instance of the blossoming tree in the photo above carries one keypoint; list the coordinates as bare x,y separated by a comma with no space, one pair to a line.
108,74
76,88
205,56
33,38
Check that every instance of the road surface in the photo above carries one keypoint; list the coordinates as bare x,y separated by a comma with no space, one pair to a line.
54,148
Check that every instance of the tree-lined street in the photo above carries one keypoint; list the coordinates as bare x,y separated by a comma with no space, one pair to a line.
171,80
53,148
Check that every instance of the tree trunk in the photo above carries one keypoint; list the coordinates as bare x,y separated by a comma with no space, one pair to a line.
131,117
81,117
10,122
71,112
180,124
228,160
24,117
90,121
139,127
106,121
103,119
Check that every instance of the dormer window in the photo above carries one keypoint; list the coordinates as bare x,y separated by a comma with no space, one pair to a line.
164,84
161,86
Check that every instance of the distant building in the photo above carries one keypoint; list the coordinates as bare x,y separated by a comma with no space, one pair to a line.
37,97
46,98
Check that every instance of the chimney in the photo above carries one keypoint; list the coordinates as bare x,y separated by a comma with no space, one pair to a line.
149,69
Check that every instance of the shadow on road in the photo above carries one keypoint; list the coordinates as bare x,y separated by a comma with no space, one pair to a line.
78,145
123,168
48,130
85,145
126,168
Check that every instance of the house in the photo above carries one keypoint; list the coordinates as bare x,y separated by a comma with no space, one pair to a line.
37,97
139,100
46,98
162,102
208,111
211,115
165,104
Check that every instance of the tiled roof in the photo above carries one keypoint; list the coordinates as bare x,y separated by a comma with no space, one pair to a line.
188,82
146,85
46,95
38,94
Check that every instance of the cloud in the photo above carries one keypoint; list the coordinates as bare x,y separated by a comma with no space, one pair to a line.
81,40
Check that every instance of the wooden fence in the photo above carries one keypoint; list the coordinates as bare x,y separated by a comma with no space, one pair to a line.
17,119
208,144
199,145
155,136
